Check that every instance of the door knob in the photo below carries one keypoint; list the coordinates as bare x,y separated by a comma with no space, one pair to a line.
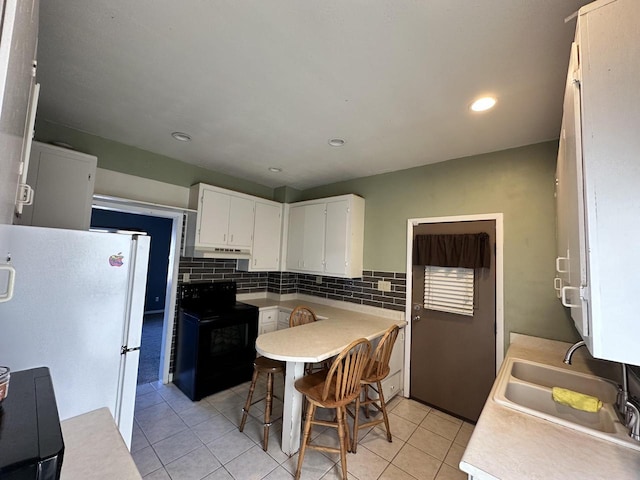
417,307
416,318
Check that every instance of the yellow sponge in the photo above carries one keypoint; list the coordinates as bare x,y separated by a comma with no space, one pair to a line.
579,401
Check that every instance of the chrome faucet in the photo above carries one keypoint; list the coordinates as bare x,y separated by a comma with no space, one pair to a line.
629,408
571,351
632,419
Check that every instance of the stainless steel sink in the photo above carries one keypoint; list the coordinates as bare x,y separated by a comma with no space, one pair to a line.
526,386
548,376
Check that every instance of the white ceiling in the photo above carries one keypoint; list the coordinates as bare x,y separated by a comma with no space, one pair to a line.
261,83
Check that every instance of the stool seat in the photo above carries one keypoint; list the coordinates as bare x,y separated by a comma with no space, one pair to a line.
270,368
268,365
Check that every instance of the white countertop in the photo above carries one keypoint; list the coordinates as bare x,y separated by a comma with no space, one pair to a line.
95,450
319,340
507,444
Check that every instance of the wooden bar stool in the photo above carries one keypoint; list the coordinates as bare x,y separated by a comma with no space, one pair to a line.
302,315
335,388
377,370
270,368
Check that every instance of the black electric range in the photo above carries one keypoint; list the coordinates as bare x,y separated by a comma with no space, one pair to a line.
216,336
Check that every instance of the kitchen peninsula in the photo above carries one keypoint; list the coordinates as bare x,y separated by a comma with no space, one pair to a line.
314,342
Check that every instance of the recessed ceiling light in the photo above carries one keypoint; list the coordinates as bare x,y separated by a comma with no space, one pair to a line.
182,137
482,104
336,142
275,169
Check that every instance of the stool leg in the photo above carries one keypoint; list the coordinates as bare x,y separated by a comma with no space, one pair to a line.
267,410
383,407
245,410
343,436
311,408
356,416
366,401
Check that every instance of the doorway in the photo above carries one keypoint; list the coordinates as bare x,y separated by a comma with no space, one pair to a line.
159,230
173,219
452,359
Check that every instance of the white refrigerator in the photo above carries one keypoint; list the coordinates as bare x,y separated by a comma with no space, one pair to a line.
73,301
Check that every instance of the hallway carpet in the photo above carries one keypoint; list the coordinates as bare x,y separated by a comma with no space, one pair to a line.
150,348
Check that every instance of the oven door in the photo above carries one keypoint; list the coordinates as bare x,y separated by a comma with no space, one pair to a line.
226,351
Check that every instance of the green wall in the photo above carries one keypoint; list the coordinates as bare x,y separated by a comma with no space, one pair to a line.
141,163
518,183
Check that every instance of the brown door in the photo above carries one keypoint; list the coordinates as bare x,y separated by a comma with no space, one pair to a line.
453,356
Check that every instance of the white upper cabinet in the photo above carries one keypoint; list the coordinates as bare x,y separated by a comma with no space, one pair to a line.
241,220
295,237
267,235
224,222
63,182
325,236
598,197
337,238
213,221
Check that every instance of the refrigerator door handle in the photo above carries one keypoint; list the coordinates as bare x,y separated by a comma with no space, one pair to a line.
11,280
125,349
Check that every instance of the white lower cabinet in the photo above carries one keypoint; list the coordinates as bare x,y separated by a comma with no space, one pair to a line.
267,320
283,318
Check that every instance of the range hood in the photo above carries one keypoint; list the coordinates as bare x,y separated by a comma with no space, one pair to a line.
210,252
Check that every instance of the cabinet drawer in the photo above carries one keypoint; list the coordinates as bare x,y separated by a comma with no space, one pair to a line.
391,386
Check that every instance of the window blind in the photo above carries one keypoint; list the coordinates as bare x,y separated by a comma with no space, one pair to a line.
448,289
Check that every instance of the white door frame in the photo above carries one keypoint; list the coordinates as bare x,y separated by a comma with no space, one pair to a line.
177,216
498,217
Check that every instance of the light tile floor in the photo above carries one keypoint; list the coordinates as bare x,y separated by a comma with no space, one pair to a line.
175,438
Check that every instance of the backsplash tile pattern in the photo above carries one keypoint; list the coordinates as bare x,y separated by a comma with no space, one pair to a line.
282,283
217,269
363,291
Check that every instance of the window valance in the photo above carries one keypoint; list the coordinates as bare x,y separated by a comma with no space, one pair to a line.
453,250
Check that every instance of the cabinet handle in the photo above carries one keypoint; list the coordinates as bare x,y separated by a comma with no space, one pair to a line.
557,285
563,297
231,239
224,237
558,261
8,294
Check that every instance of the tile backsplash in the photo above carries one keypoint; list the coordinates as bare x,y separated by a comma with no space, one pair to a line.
362,291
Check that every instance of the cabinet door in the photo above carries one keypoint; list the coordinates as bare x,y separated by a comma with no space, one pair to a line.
63,184
562,266
241,214
295,238
572,294
266,237
337,238
313,243
283,319
267,321
213,222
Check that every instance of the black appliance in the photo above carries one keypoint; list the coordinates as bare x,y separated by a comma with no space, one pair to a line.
216,337
31,445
